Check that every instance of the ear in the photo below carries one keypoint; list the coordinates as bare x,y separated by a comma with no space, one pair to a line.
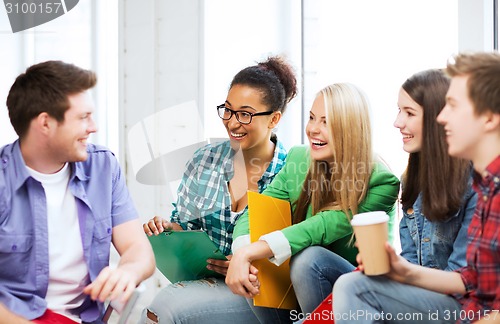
492,121
275,119
43,122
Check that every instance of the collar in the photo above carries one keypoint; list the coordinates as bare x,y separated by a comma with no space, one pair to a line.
22,174
490,174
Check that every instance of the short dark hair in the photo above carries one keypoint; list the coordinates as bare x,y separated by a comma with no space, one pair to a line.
45,87
483,85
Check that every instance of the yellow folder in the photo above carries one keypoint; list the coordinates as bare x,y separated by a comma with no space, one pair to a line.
267,214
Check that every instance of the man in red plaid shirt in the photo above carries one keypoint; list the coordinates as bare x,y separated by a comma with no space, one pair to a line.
471,119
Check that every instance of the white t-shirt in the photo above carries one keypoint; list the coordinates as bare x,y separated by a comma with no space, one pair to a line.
68,273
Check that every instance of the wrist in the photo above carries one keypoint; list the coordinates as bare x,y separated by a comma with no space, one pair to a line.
413,274
245,253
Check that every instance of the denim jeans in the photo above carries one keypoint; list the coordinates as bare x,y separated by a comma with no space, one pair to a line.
362,299
200,301
313,271
267,315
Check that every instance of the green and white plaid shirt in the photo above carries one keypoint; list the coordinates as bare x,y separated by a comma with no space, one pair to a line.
204,201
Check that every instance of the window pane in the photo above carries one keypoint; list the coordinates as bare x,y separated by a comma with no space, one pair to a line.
86,36
376,45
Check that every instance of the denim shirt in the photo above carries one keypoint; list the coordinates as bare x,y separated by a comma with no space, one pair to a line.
102,201
441,245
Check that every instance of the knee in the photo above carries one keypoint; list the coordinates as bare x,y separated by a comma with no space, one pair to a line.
167,305
347,283
151,316
304,262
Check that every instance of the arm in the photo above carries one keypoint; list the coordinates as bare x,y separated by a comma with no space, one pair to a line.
238,276
440,281
136,264
186,210
456,259
492,317
7,317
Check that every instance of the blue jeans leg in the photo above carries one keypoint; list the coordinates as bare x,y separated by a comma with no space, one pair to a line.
362,299
200,301
267,315
313,271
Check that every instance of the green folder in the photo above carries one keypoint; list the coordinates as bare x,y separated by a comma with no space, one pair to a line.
182,255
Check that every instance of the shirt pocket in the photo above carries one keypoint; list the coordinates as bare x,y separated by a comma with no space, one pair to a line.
101,240
15,255
410,219
204,204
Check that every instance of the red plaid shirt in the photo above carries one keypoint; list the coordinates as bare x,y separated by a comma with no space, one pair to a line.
481,276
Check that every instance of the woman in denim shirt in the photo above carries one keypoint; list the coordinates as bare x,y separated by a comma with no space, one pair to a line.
437,197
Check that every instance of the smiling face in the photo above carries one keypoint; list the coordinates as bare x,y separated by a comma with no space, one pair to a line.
317,132
257,133
410,122
68,139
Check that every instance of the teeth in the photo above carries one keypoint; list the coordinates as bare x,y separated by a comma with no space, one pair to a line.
319,143
237,135
408,136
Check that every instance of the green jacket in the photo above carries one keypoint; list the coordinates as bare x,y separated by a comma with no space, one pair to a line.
329,228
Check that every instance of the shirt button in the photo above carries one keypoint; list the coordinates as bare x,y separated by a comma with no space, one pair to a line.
485,198
14,247
410,211
426,239
496,179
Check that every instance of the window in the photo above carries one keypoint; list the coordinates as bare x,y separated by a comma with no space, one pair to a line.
376,45
496,14
373,44
86,36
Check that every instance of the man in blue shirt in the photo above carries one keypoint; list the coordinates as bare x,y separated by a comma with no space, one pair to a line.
62,202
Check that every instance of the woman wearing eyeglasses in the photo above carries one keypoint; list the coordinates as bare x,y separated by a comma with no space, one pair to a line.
212,193
326,182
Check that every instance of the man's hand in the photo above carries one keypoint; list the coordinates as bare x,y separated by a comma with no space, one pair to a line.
111,284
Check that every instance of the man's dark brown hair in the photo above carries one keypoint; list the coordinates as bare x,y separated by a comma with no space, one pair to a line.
45,87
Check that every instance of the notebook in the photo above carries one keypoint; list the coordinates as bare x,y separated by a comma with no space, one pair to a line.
182,255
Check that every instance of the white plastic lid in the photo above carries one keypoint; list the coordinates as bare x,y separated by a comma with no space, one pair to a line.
369,218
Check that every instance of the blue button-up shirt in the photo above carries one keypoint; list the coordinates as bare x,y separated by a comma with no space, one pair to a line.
102,201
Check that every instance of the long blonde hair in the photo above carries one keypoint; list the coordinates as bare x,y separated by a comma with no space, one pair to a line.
347,178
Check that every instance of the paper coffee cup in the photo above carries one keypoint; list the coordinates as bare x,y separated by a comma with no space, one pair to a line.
371,234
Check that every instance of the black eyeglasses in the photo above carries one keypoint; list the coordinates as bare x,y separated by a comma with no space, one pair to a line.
243,117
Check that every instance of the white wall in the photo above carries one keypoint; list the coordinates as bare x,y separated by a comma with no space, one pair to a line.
160,55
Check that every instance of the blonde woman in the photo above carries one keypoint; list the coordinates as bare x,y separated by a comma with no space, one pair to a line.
326,182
